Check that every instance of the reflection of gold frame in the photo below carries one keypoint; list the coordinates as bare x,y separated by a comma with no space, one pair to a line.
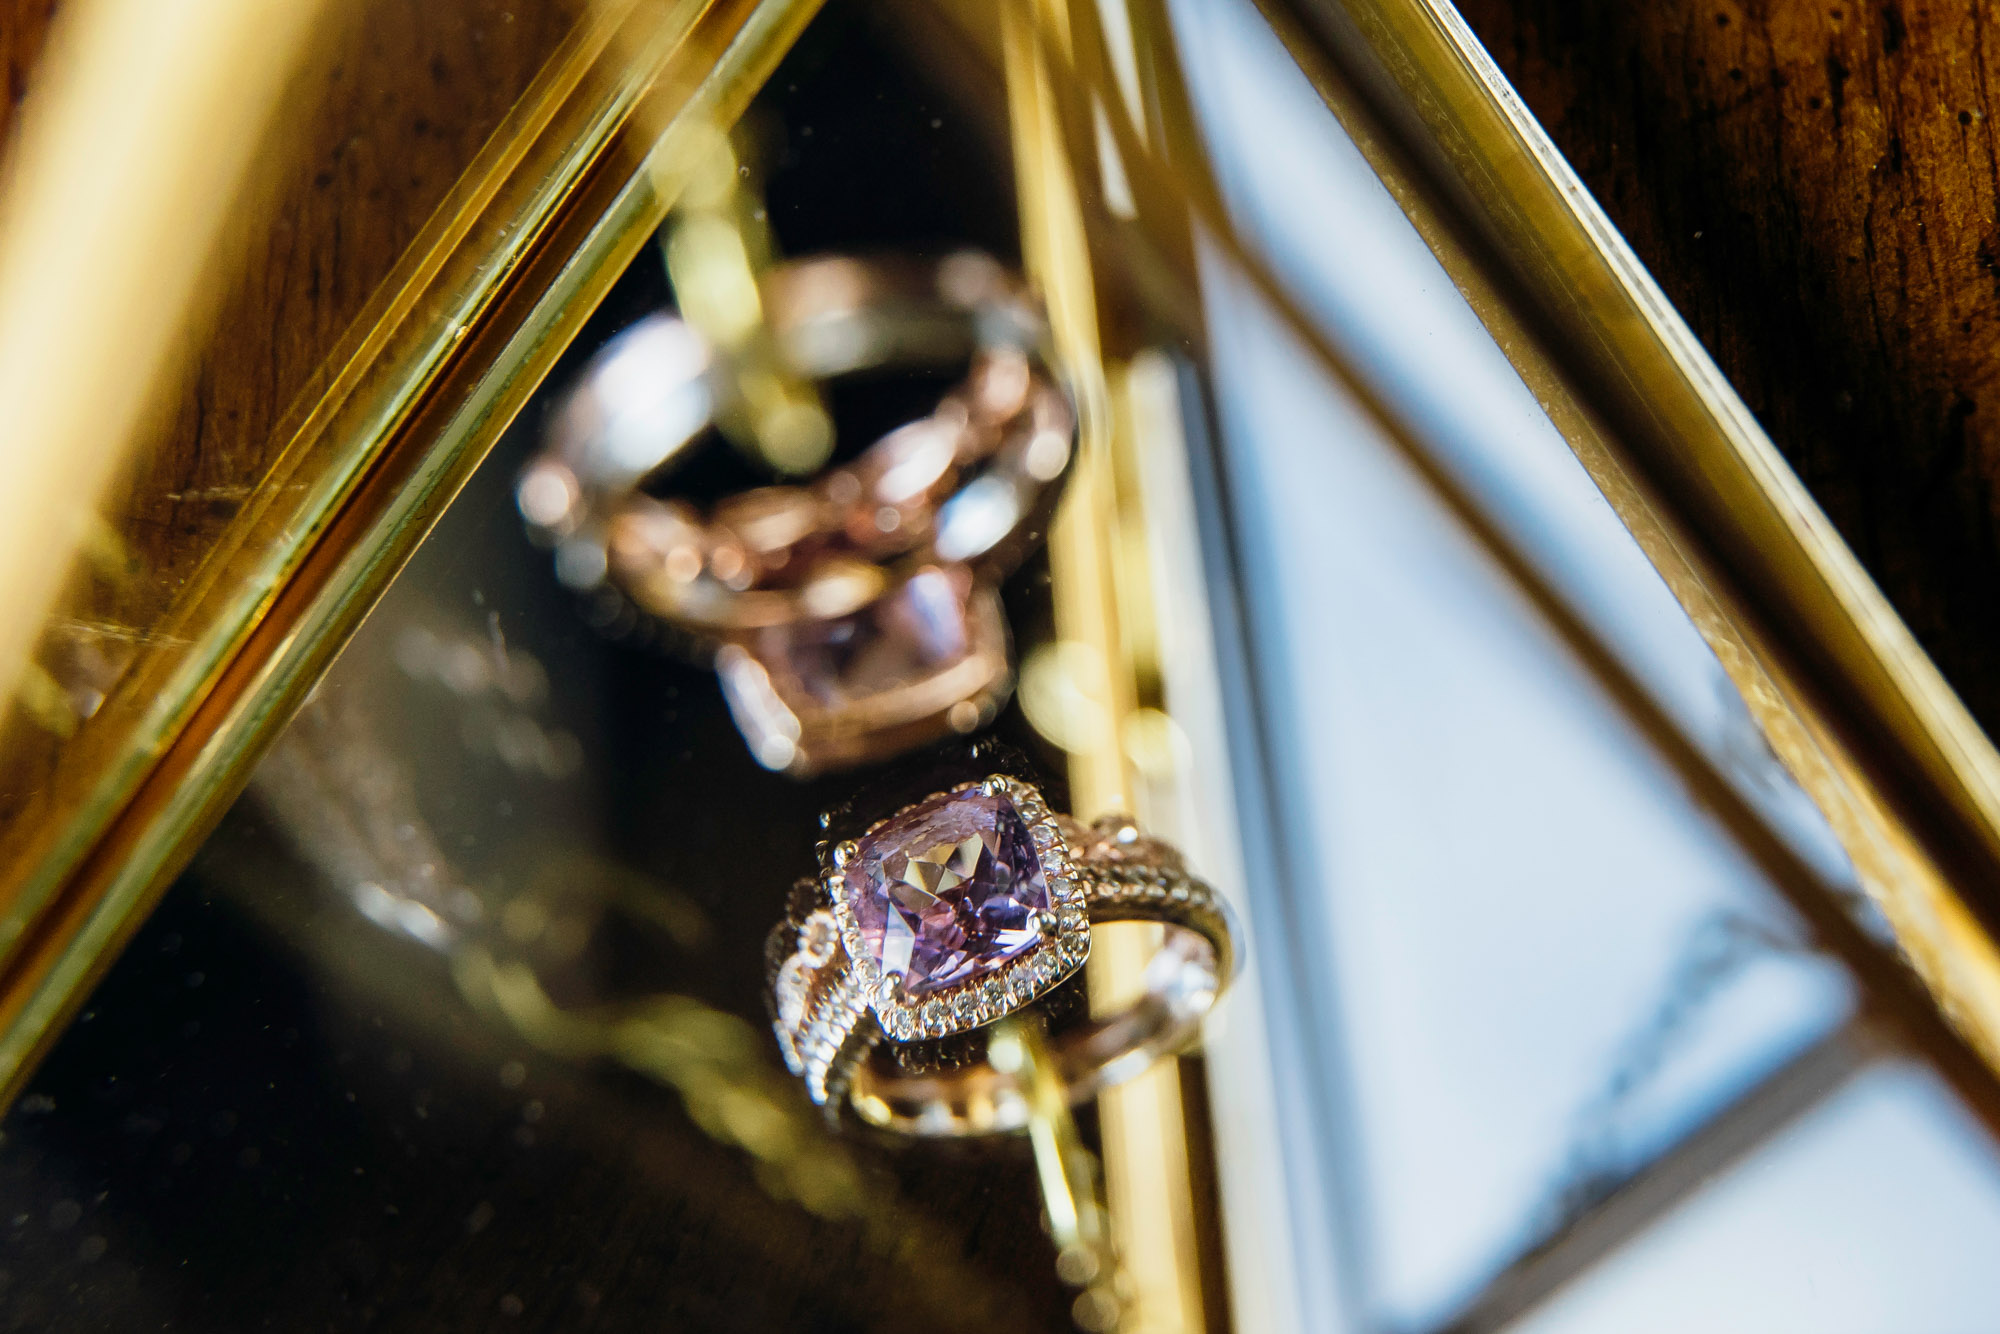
483,301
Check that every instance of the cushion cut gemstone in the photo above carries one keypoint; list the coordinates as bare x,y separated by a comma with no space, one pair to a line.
943,891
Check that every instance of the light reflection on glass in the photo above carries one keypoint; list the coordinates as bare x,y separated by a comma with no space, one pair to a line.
1511,884
1302,192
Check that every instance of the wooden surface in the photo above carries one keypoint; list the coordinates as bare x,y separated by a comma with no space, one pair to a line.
1814,183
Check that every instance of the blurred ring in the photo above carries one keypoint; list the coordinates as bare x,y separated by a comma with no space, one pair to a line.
778,554
857,615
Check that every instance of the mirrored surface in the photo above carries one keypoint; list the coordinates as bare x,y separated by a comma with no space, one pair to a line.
461,1019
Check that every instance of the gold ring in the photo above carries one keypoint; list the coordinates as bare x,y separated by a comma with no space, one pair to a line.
961,909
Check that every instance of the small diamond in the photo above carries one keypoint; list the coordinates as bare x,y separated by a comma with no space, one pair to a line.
789,1050
900,1025
791,991
933,1016
818,937
965,1006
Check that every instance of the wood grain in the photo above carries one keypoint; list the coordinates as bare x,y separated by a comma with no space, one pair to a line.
1814,184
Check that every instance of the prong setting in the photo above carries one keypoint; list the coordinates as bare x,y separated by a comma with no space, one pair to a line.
888,990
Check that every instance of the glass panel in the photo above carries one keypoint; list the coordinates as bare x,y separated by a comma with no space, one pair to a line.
1547,964
1295,179
466,1010
421,156
1879,1211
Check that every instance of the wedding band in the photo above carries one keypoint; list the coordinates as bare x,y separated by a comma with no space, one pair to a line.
961,909
777,555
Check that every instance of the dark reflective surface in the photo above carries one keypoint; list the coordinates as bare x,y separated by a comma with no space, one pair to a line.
459,1019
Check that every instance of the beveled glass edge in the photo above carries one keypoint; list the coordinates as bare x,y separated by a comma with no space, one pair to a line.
411,444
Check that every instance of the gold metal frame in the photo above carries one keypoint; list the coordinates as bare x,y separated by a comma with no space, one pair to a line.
1847,700
566,192
1854,708
1170,1274
1831,675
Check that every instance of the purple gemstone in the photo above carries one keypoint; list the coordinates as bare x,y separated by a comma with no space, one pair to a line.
943,891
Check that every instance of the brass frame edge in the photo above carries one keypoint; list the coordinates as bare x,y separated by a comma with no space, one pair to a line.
322,411
432,436
1150,1178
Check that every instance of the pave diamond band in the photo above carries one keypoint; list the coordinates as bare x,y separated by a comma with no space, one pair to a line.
961,909
1126,876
